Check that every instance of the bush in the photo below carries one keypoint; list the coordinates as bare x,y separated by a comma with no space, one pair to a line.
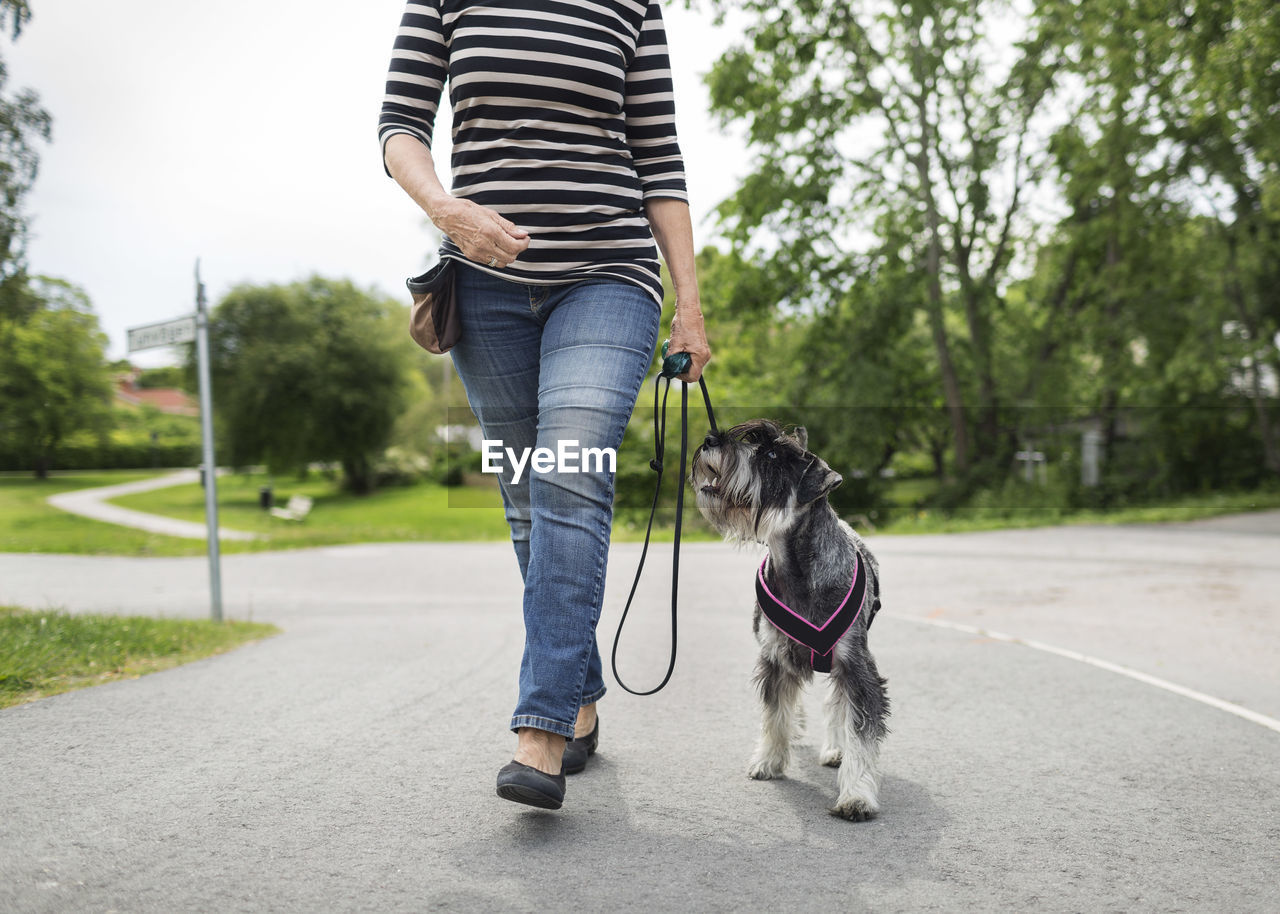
170,376
634,480
113,455
401,467
453,462
127,445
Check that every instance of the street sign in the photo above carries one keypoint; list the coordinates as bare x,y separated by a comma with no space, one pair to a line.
167,333
201,318
195,328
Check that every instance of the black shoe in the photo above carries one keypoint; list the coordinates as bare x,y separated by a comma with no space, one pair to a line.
523,784
577,751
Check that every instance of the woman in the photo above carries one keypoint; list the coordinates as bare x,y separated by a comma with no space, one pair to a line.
565,169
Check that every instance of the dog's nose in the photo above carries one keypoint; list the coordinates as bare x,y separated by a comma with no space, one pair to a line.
712,440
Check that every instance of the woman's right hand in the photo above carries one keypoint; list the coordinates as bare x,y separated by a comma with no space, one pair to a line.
480,233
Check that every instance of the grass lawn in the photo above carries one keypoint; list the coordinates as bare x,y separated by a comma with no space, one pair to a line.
429,512
392,514
422,512
44,653
29,524
1190,507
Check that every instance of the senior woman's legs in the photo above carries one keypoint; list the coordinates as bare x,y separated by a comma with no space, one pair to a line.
497,359
597,345
544,365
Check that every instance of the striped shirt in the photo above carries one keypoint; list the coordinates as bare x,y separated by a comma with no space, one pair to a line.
563,122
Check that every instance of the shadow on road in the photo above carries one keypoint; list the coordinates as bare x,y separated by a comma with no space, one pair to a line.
642,855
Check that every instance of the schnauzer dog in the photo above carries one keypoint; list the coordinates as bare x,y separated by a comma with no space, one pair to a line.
757,484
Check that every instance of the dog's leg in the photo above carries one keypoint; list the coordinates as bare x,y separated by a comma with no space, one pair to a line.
858,708
779,687
837,712
797,733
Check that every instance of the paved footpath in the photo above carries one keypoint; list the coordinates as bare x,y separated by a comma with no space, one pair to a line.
348,764
94,503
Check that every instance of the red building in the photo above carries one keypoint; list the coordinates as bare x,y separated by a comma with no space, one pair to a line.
166,399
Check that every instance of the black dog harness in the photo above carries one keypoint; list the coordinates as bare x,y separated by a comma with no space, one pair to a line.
820,639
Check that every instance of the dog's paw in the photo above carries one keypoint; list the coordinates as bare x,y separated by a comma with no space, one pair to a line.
829,757
762,769
855,808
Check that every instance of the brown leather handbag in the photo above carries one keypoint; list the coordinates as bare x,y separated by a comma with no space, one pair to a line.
434,322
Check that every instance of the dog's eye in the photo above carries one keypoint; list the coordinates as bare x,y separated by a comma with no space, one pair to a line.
772,455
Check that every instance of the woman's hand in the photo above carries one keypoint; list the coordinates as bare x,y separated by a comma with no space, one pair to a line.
480,233
673,230
688,335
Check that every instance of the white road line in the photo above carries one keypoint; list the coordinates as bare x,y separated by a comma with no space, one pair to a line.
1230,707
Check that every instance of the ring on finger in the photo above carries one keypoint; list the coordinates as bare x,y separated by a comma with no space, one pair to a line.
493,261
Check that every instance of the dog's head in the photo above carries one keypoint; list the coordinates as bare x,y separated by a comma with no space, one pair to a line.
755,480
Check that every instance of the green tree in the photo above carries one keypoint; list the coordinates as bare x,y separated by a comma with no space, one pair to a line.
887,226
165,376
1226,118
1170,259
54,381
312,371
1113,284
887,149
22,120
855,373
14,14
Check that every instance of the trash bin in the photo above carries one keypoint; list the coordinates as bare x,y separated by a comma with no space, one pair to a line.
265,498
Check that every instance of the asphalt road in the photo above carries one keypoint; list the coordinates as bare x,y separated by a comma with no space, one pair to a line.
348,764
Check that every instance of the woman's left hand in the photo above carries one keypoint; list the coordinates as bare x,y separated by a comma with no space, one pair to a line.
688,335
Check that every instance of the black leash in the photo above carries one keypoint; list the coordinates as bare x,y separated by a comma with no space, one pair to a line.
672,365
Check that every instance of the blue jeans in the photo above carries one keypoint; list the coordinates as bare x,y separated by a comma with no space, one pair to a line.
543,364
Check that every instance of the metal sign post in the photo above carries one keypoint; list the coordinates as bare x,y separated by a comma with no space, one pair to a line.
206,429
184,330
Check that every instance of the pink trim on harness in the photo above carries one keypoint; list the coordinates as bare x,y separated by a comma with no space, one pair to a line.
852,584
804,632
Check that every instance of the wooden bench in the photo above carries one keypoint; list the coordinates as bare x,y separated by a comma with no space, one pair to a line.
298,508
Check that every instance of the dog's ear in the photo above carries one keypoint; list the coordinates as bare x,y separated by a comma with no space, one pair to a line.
801,436
817,481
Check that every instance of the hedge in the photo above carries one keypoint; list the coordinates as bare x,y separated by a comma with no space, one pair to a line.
111,456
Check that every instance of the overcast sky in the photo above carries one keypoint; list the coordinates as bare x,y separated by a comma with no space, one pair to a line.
245,133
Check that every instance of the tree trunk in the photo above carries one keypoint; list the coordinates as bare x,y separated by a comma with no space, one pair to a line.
1050,339
933,270
1110,350
937,448
886,457
950,382
1266,431
358,474
979,334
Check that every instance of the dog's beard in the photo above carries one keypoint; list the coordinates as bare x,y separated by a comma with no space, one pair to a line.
728,496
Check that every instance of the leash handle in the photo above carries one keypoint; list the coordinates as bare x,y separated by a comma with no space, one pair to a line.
675,364
659,441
